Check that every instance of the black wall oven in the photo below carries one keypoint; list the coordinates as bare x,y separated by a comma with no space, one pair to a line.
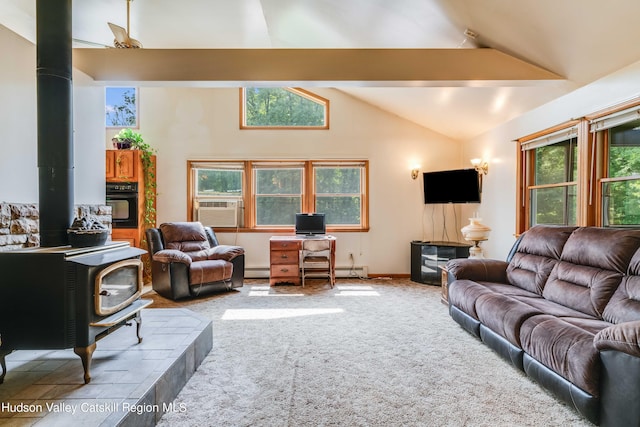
123,199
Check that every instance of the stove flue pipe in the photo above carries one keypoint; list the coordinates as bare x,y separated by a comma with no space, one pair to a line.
55,120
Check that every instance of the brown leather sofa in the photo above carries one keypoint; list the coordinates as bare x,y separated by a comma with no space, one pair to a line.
565,309
188,261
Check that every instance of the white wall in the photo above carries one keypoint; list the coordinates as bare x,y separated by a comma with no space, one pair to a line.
18,167
203,123
498,204
18,127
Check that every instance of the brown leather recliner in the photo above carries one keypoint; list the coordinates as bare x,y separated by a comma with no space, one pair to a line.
188,261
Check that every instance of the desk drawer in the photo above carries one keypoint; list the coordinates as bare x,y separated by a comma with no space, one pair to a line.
285,270
284,245
284,257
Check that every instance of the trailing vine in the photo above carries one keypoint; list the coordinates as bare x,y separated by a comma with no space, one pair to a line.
136,142
149,178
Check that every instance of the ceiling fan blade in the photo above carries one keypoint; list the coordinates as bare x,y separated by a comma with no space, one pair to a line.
119,33
134,43
122,39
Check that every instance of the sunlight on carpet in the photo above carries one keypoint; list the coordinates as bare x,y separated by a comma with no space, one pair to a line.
279,313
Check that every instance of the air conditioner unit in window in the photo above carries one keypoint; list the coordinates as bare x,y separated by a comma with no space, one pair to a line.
218,213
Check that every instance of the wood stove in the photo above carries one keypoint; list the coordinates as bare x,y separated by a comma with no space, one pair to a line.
64,297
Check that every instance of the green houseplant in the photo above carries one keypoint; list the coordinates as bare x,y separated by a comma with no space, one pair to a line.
126,139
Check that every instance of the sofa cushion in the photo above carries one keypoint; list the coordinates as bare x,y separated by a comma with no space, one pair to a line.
538,251
504,315
624,305
566,346
605,248
581,287
550,307
463,295
188,237
209,271
530,272
171,255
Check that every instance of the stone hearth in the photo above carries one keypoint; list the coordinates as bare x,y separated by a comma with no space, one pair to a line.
132,384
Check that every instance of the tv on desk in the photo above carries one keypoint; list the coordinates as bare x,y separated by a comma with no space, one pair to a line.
310,224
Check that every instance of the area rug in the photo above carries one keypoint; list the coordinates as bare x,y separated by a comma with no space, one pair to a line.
365,353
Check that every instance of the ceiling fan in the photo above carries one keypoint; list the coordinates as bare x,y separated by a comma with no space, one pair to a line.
122,38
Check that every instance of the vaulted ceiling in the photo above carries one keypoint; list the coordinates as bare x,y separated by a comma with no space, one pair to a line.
579,40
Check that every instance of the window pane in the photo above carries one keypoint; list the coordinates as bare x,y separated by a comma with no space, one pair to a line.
277,210
556,163
279,181
281,107
624,150
340,210
555,205
337,180
120,107
278,195
338,194
219,182
621,203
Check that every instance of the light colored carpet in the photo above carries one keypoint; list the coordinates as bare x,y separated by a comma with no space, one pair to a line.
366,353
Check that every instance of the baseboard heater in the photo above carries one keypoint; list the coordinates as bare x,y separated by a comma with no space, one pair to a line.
342,272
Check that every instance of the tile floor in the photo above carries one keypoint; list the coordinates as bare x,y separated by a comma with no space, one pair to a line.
132,384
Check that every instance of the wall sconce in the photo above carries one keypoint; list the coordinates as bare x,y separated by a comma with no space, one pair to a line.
480,165
415,172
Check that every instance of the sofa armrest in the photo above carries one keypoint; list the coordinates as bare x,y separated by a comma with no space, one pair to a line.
477,269
171,255
225,252
624,337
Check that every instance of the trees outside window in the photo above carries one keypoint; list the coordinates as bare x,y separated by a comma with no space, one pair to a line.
268,108
621,187
278,195
553,194
338,193
121,108
270,192
218,182
585,172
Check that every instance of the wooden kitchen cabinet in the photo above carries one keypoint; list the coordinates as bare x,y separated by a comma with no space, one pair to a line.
122,165
131,235
126,166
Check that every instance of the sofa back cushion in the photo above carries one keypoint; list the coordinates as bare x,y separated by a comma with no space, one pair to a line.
188,237
624,305
591,267
538,251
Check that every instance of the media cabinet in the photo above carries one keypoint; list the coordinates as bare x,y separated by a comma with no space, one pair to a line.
428,259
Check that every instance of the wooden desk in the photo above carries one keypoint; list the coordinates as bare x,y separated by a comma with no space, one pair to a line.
284,258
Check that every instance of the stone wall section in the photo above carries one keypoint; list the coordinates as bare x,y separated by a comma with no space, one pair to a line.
20,223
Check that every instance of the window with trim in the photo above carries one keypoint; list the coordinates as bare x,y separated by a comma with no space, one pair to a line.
266,195
617,140
595,184
338,192
121,107
550,173
217,193
278,193
282,108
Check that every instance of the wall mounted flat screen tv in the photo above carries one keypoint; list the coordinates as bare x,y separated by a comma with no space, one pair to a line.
310,223
452,186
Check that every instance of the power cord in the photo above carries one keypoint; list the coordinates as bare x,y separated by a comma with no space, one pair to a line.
352,269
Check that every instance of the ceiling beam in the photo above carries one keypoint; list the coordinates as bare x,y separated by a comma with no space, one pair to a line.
366,67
